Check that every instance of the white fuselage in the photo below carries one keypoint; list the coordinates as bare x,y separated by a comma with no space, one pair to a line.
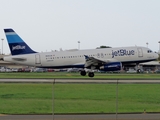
66,59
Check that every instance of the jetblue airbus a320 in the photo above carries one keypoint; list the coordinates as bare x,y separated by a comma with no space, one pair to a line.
106,59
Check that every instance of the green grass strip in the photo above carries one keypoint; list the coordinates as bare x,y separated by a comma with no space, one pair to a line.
56,75
18,98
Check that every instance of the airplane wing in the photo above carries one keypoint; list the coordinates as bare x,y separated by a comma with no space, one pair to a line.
91,61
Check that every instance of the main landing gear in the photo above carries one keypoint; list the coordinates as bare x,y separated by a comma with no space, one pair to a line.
83,73
90,74
138,69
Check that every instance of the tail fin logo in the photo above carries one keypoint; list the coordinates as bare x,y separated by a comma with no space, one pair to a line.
16,44
18,47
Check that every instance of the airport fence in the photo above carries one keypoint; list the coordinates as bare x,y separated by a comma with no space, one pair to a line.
77,96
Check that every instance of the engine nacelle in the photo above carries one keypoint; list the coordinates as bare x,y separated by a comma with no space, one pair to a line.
113,66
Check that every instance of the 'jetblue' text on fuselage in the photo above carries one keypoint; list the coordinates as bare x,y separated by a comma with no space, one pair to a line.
122,52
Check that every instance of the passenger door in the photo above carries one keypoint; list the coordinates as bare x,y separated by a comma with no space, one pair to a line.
37,59
140,52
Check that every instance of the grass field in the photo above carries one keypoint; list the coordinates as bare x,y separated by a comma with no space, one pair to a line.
18,98
54,75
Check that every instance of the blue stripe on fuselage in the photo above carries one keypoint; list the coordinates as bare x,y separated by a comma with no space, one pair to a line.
66,66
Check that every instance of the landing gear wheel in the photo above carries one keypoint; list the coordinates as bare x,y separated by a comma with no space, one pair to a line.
83,72
91,74
138,71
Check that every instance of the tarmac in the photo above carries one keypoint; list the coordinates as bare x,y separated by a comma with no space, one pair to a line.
83,117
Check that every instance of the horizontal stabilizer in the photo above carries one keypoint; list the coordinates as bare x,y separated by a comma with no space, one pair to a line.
19,59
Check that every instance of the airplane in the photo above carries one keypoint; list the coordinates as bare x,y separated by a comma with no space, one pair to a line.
106,59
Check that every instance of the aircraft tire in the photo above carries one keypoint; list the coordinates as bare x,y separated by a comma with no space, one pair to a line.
91,74
83,72
138,71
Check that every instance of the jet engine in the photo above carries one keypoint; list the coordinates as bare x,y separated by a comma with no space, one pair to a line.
112,66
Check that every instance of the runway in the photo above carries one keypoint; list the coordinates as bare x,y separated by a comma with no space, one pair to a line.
143,116
84,117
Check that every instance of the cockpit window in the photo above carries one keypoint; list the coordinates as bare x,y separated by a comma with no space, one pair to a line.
149,51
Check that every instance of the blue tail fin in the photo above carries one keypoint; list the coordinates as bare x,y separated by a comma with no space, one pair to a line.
16,44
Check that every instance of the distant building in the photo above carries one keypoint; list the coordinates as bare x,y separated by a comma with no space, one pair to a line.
153,65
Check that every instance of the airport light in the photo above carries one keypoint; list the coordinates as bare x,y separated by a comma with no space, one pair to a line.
147,44
2,45
78,45
159,45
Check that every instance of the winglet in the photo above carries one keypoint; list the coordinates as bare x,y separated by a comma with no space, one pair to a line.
16,44
86,57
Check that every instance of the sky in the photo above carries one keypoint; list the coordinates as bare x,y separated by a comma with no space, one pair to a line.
47,25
